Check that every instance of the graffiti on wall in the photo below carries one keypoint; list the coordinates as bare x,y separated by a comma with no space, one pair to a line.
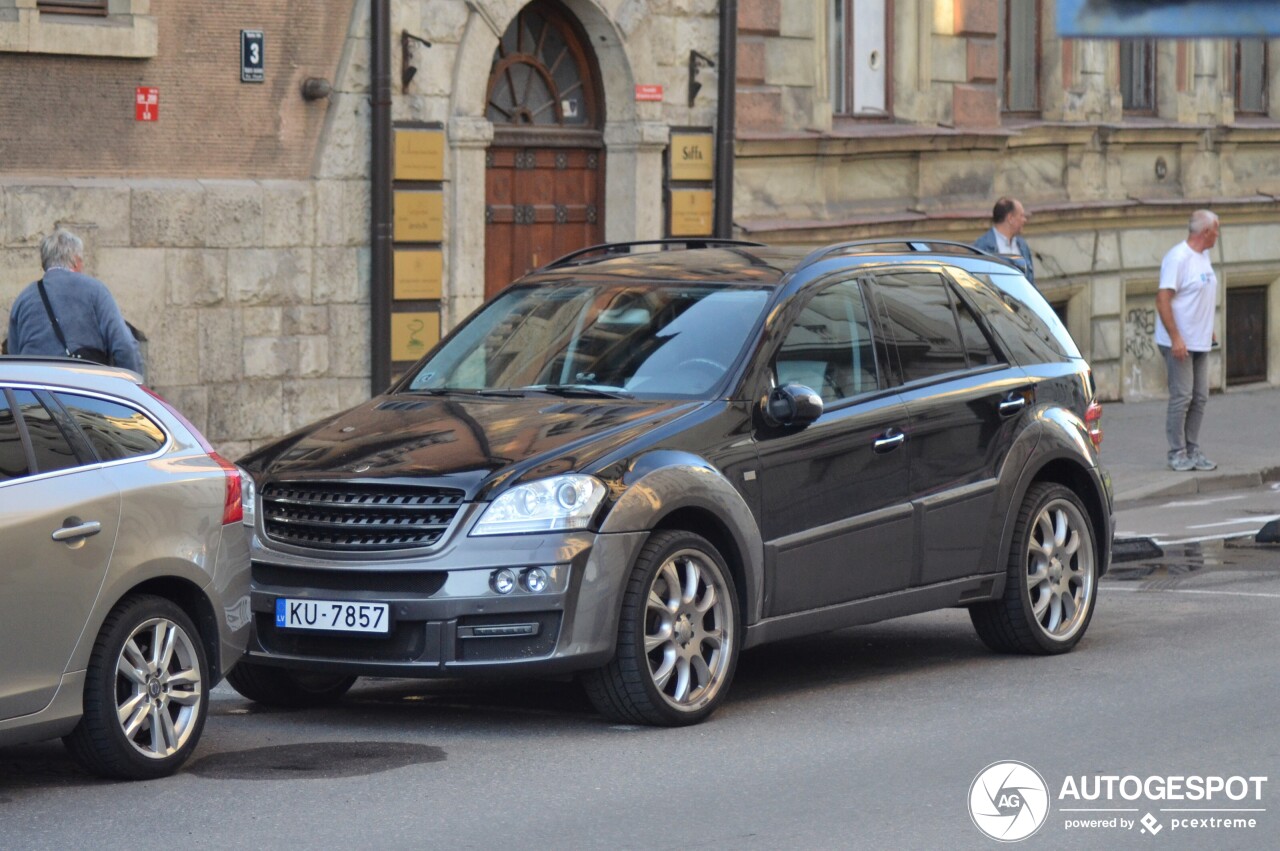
1139,345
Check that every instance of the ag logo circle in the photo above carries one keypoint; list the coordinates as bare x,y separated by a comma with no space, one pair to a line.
1008,801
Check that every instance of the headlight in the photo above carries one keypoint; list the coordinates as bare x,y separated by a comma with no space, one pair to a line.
248,496
560,502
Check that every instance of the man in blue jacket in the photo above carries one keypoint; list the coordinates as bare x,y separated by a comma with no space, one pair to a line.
86,312
1005,236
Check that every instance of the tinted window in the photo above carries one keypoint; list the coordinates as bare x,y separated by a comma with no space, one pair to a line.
977,347
13,456
829,348
114,430
922,321
48,443
1028,321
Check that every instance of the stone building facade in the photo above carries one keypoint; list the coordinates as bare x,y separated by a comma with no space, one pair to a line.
1109,146
235,228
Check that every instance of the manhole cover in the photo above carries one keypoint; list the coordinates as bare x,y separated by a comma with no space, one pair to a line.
320,760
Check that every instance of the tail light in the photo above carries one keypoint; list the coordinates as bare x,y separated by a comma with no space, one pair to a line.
232,507
1093,422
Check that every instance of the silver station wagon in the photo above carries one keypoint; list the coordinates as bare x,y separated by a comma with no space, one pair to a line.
125,568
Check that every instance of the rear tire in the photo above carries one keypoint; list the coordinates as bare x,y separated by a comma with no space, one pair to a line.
678,636
282,687
148,665
1052,582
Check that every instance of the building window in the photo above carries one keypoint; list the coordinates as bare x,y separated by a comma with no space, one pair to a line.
121,28
1022,56
73,7
859,49
1138,75
1251,76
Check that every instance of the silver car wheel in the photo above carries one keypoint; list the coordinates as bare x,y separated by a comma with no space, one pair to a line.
1060,569
158,688
688,631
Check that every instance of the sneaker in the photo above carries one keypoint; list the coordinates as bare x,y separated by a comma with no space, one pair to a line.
1180,462
1199,462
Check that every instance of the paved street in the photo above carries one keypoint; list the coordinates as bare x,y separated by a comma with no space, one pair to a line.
865,738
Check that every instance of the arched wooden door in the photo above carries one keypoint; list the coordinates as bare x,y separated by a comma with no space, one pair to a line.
544,174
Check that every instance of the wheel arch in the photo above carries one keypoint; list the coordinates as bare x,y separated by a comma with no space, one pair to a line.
670,490
188,596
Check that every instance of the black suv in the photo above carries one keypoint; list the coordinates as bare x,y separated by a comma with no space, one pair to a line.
644,458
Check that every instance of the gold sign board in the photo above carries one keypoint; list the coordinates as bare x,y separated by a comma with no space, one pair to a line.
418,274
413,334
691,212
419,155
419,216
692,156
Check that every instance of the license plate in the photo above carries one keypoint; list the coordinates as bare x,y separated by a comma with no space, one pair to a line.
333,615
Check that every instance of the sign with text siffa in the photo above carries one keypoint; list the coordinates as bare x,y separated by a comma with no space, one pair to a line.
252,67
1168,18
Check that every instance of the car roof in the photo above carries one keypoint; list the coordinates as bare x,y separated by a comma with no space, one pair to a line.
751,264
66,372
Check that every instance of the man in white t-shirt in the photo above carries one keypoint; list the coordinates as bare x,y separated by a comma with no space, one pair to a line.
1185,306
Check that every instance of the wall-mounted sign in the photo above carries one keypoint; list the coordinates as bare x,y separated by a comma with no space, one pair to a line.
419,216
413,334
648,92
692,156
252,67
146,104
691,212
418,274
419,154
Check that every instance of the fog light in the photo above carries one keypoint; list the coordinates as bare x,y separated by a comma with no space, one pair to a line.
535,579
503,581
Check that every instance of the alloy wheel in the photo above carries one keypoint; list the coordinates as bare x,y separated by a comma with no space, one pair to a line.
1060,569
688,632
158,688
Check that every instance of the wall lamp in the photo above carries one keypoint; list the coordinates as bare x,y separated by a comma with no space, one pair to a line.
407,68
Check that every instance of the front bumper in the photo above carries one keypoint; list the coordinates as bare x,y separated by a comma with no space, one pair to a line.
446,620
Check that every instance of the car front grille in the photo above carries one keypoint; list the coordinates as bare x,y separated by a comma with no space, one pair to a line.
357,517
417,582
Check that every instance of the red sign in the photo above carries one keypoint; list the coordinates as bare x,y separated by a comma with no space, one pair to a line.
146,105
649,92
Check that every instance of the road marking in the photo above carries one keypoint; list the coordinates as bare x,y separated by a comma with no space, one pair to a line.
1197,591
1208,501
1201,539
1236,522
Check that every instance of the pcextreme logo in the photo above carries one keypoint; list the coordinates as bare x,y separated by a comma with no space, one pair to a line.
1008,801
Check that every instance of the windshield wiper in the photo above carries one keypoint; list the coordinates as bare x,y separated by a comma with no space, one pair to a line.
588,391
465,391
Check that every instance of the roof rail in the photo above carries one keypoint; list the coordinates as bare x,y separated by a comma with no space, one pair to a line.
608,248
896,246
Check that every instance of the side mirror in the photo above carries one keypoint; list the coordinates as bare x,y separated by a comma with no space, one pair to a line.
791,405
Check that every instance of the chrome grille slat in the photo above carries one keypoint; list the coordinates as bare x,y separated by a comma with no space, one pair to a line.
358,517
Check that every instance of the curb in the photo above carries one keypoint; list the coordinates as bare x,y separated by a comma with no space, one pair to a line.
1191,484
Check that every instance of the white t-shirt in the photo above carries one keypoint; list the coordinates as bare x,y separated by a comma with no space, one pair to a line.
1195,292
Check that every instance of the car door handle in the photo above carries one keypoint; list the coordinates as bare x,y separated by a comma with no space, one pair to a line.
1012,405
889,441
84,530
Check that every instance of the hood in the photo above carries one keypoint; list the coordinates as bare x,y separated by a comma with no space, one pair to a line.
467,442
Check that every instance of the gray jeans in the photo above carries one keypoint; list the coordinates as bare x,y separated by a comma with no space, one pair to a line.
1188,393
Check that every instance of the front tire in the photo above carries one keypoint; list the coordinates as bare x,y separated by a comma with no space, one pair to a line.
281,687
1053,577
145,693
678,636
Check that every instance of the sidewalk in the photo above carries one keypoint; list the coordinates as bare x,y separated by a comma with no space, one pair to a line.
1241,432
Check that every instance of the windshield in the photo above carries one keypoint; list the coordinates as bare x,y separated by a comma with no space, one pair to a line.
607,338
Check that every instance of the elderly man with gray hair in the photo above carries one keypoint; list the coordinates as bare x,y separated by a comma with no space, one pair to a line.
68,301
1185,305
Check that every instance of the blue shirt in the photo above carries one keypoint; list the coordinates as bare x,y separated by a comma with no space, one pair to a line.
85,310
